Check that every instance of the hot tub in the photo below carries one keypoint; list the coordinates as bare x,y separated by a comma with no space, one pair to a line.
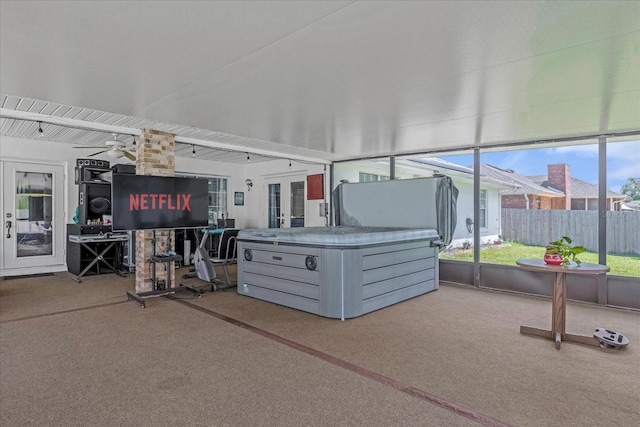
364,263
337,272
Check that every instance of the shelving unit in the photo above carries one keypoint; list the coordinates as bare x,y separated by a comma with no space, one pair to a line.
160,287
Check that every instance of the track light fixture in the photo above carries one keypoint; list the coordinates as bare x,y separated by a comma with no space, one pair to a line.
40,131
248,158
193,152
289,163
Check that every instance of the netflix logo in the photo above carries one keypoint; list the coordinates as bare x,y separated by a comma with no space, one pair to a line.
145,202
160,201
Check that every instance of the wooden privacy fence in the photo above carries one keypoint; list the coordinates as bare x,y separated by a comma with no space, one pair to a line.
539,227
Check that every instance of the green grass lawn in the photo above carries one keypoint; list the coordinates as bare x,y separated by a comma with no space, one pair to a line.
509,252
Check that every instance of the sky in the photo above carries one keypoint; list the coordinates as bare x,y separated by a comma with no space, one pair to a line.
623,161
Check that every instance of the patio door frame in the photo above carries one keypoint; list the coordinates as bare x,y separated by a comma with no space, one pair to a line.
10,261
285,182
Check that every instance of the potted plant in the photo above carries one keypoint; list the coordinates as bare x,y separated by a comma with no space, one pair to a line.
560,252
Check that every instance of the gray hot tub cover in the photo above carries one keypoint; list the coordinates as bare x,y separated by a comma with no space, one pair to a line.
422,203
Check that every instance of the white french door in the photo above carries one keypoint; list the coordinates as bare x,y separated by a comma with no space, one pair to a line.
32,215
286,205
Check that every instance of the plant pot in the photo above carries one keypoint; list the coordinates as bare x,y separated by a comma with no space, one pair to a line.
552,259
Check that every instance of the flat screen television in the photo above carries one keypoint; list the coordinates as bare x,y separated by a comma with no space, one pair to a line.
143,202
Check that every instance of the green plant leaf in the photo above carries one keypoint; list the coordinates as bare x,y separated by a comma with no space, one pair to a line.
578,249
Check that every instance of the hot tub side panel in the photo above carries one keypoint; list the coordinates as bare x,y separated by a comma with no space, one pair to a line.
347,282
394,273
278,274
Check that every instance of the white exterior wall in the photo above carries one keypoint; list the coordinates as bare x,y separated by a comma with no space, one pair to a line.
255,206
465,210
252,214
351,171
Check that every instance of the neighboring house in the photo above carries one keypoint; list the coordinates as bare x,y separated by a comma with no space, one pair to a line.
524,193
557,190
631,205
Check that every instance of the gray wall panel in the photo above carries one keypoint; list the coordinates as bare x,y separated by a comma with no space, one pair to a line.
516,279
456,271
582,288
623,291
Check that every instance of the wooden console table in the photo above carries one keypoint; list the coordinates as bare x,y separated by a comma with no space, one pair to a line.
558,314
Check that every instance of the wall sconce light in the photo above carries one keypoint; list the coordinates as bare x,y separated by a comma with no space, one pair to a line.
249,184
40,131
470,224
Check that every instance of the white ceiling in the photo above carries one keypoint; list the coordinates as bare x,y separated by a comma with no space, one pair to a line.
328,80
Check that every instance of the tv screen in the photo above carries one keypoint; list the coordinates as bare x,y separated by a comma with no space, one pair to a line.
143,202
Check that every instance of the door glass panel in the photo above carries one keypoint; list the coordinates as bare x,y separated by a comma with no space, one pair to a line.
274,205
34,214
217,200
297,204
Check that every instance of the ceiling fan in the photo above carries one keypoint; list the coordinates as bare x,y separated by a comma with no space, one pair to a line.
115,149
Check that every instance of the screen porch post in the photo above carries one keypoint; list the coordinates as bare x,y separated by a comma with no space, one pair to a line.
155,156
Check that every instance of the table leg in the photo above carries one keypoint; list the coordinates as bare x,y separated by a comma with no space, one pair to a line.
536,332
558,314
581,339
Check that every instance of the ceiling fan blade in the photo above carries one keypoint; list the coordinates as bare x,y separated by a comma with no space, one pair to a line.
86,146
99,152
129,156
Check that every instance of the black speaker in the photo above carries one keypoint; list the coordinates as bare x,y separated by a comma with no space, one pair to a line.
90,170
121,168
94,163
94,201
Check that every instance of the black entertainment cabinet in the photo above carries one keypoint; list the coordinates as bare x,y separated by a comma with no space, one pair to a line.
78,257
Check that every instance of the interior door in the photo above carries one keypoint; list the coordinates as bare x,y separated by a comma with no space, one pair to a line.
32,214
286,205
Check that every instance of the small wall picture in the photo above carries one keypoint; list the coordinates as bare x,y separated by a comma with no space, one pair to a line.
238,198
